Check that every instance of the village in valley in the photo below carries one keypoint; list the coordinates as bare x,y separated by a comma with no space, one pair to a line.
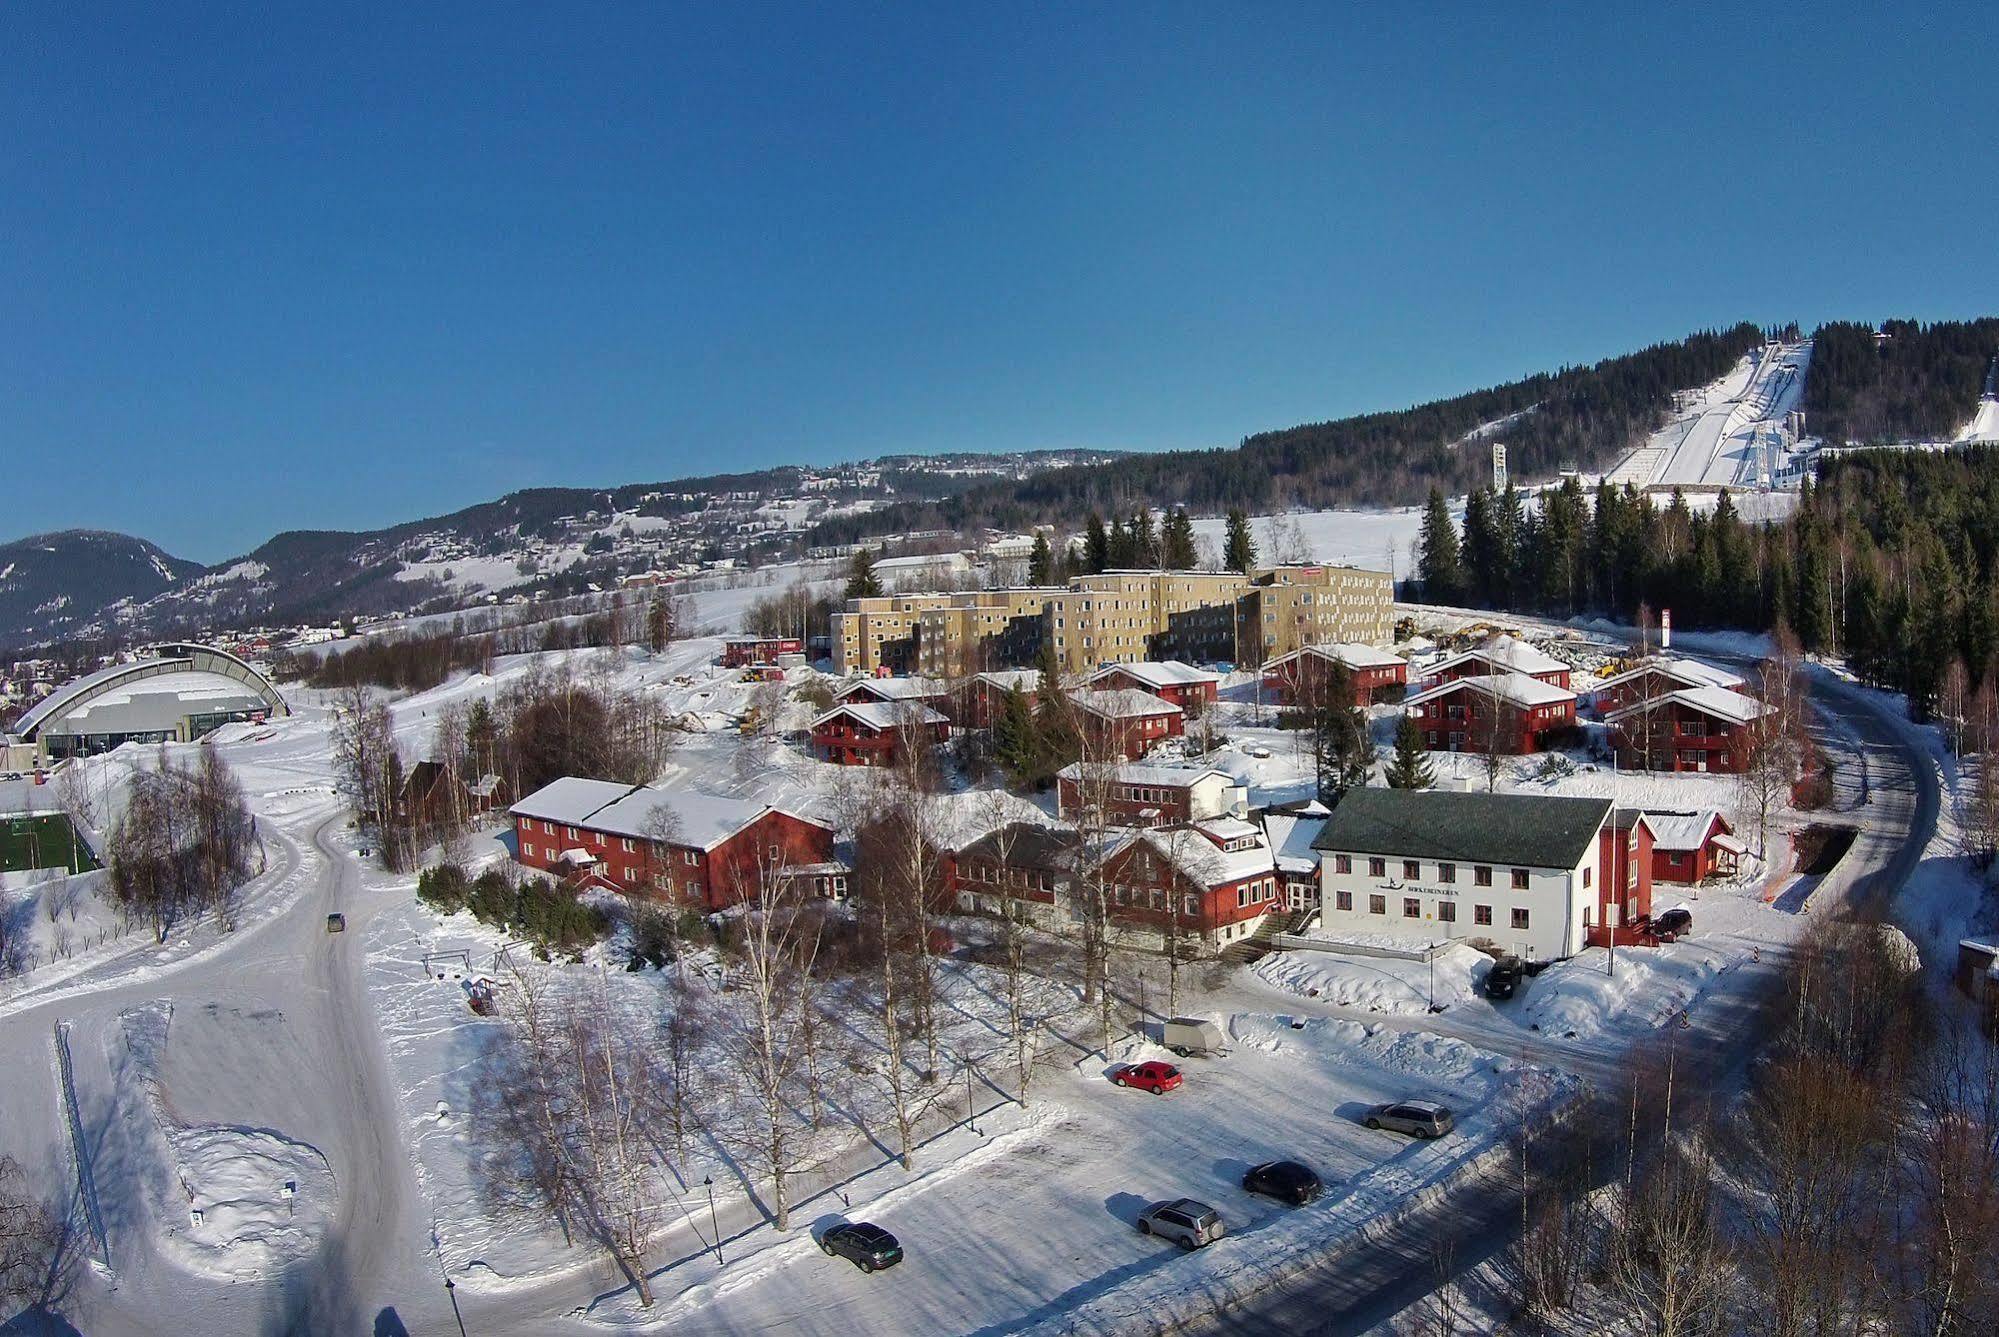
1162,876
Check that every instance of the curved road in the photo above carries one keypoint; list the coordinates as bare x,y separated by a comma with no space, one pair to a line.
1370,1281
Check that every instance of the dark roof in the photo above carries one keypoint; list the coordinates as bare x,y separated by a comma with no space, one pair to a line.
1523,829
1033,846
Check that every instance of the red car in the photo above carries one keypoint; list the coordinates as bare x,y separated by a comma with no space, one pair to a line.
1151,1075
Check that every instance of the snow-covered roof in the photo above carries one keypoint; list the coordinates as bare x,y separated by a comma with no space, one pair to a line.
1011,680
1506,653
1157,673
895,689
1514,688
1206,862
1687,672
1290,836
1162,777
1229,829
881,716
1124,703
1720,702
570,800
1351,653
1680,831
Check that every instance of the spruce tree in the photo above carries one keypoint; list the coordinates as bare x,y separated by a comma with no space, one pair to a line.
1443,579
861,581
1015,747
1144,542
1123,553
1239,549
1480,559
1096,545
1040,562
1050,670
1410,768
1177,542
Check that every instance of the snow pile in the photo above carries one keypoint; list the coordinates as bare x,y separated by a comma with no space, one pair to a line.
1378,984
1580,997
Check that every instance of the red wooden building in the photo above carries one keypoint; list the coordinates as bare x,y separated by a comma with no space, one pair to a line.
1302,674
1692,729
679,845
1499,656
872,733
1623,882
1191,689
743,651
1134,794
1691,847
1207,882
1021,861
1510,714
893,691
1659,676
1122,722
985,695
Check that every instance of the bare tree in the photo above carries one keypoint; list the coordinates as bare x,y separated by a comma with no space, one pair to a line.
1775,740
369,771
1667,1260
31,1241
1946,1273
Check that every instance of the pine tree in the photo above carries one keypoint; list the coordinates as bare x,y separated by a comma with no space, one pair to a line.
1443,578
1050,669
1513,536
1411,767
1177,551
1123,554
1015,746
1096,545
1480,558
1040,562
861,582
1144,542
1239,549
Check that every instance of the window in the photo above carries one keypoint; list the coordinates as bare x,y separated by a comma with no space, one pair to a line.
1342,863
1412,869
1520,879
1519,919
1377,905
1377,868
1447,872
1481,876
1481,914
1447,912
625,844
687,857
1411,908
1585,875
1343,900
527,850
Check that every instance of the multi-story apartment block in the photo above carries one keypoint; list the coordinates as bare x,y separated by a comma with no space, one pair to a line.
1117,617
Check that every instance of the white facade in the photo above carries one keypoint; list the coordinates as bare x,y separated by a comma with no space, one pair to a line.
1373,893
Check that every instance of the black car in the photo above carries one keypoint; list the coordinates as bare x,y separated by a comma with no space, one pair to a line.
1286,1181
1676,923
1504,977
870,1248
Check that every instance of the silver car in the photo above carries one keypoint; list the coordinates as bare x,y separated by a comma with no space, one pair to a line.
1187,1223
1418,1118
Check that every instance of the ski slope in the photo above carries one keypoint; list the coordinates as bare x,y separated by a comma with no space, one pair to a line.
1729,428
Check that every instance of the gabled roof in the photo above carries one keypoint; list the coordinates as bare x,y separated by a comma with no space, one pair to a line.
570,800
1719,702
1123,703
1290,836
1162,777
1525,830
882,716
1351,653
1011,680
1513,688
1028,845
894,689
1157,673
1506,654
1681,831
1199,858
1685,672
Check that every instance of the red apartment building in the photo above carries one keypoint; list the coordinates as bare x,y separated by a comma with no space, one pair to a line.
1693,729
1134,794
1498,656
1657,677
1301,675
691,848
743,651
1691,847
1211,882
872,733
1510,713
1124,722
1191,689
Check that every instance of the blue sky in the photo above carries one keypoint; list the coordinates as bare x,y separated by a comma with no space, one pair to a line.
343,267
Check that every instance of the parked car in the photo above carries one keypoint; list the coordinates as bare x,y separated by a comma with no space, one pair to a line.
336,923
1675,923
1187,1223
1504,977
866,1246
1418,1118
1256,750
1151,1075
1193,1035
1286,1181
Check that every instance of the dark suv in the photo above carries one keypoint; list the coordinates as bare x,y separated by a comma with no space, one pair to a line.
1504,977
1286,1181
868,1247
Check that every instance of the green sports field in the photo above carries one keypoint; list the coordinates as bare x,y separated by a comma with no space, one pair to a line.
40,840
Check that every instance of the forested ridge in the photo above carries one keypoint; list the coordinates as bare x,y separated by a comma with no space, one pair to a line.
1578,417
1891,560
1912,382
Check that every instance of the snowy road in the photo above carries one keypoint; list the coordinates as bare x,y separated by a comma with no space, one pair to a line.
1355,1289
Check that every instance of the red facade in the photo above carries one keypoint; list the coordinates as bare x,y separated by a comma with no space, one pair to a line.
741,652
1649,685
1623,884
1146,890
1130,737
1303,678
711,879
1191,697
1474,667
849,739
1468,720
1691,866
1675,736
1133,804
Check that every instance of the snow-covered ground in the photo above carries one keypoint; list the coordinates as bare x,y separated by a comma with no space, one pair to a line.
1727,431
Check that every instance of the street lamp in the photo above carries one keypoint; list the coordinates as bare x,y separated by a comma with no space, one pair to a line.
971,1109
451,1293
708,1181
